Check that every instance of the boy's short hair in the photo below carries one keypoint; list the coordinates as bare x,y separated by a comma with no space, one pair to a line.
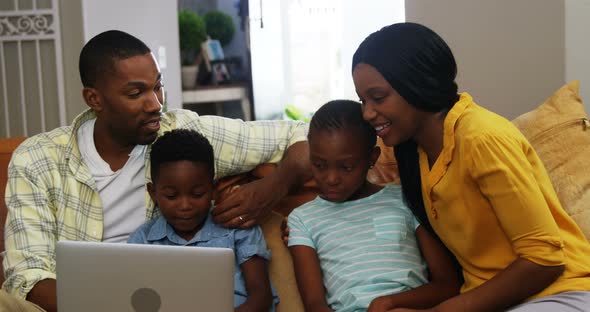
181,144
343,114
98,54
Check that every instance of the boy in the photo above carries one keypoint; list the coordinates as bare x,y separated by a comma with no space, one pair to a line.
357,245
182,170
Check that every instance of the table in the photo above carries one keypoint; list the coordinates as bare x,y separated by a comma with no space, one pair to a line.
217,94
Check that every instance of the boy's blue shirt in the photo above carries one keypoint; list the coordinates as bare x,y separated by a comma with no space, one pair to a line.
246,243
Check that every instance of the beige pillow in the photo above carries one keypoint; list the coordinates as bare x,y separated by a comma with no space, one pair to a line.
559,131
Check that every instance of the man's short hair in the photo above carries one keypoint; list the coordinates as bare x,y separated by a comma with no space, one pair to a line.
98,54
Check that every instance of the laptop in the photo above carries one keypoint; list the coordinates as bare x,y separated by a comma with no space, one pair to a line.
95,276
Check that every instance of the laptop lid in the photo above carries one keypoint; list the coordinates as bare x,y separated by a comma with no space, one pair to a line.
143,278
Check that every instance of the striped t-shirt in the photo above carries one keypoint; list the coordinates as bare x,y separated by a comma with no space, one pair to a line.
367,247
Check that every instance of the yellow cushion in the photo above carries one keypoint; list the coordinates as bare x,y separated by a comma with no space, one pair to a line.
280,267
559,131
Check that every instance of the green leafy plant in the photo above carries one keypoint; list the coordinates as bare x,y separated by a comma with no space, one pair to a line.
192,33
220,26
296,113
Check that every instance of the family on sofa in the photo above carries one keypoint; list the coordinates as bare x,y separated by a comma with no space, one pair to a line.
474,192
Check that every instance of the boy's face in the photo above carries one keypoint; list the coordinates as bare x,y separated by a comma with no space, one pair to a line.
183,192
340,161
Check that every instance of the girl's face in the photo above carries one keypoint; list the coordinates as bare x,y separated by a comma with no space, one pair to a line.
340,160
394,119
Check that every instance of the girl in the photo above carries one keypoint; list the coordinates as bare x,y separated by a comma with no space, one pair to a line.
357,245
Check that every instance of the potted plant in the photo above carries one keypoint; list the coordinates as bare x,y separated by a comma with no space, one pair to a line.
192,33
220,26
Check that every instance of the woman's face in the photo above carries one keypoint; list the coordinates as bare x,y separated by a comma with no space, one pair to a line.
394,119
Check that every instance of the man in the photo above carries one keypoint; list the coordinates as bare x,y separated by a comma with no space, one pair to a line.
87,181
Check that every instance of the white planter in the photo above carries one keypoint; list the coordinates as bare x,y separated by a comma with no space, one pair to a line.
189,76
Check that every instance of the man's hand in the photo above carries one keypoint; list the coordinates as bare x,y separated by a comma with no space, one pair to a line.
250,203
44,294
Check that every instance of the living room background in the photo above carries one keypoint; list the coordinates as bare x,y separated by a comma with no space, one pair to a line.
511,55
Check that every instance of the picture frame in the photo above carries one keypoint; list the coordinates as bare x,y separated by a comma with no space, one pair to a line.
219,73
212,51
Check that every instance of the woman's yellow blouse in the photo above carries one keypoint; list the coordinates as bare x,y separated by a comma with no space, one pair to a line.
490,200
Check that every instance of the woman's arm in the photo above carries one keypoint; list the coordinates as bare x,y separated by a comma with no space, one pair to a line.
257,286
519,280
309,278
444,280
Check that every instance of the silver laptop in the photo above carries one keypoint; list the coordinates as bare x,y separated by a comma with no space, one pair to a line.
143,278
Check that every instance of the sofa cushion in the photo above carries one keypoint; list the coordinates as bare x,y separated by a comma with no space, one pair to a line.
559,131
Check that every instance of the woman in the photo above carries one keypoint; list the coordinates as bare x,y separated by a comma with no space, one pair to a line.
472,177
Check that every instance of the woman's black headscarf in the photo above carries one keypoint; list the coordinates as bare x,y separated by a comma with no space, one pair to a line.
415,61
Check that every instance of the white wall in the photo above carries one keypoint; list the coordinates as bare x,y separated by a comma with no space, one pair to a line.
510,54
577,46
359,20
153,21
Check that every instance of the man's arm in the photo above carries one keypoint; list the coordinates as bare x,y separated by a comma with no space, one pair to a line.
254,201
239,146
30,235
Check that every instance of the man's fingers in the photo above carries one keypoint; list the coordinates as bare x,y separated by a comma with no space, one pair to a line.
248,224
231,202
234,222
227,216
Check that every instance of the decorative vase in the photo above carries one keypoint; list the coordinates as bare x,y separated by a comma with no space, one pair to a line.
189,76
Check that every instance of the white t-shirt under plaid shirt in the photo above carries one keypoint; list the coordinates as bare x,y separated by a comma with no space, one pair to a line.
367,247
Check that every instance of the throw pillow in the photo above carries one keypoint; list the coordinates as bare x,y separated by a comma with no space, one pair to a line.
559,131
